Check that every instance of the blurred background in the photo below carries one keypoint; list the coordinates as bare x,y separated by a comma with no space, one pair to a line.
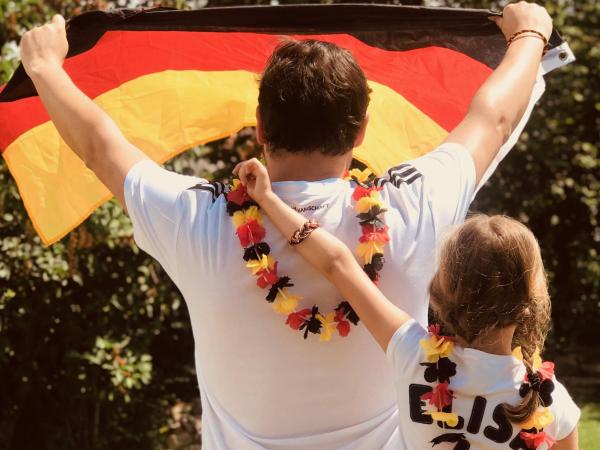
96,350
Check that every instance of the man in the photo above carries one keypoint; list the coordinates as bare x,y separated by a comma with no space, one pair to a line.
262,385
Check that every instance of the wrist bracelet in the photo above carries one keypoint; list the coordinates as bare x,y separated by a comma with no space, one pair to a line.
303,232
532,33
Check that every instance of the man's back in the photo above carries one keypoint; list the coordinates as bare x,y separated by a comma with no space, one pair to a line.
262,384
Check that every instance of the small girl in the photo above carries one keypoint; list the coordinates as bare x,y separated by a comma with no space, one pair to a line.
485,387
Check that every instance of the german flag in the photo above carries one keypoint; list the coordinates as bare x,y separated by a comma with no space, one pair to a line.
175,79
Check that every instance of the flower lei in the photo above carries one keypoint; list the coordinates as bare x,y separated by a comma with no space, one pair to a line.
440,369
248,224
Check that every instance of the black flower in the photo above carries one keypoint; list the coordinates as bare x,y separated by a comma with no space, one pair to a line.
283,282
233,207
256,251
349,312
371,217
374,266
543,387
312,324
459,438
441,371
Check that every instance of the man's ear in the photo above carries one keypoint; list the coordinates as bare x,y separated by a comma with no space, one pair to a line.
362,131
260,131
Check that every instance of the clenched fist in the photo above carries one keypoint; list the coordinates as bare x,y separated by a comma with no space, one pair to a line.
524,16
45,45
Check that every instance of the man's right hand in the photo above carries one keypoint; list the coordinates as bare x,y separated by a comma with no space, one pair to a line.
45,45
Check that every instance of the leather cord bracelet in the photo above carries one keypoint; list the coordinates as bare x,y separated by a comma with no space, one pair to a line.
303,232
530,33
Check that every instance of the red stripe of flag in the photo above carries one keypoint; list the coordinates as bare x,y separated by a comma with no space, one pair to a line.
438,81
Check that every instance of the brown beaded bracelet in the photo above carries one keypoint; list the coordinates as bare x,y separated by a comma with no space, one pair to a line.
302,233
535,33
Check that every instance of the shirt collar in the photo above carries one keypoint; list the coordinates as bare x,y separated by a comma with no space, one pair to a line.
320,187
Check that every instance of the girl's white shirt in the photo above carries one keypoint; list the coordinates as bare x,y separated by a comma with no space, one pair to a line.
483,382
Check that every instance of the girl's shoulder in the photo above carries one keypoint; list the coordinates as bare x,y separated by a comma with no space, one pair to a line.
565,411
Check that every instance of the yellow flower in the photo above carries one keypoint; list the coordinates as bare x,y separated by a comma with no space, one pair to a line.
366,250
360,175
241,217
264,263
449,419
518,353
328,326
367,202
285,303
436,348
536,363
236,184
539,419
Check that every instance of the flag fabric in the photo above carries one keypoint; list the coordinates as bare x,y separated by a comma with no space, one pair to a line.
175,79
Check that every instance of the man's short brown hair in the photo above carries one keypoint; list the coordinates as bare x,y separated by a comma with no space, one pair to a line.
313,96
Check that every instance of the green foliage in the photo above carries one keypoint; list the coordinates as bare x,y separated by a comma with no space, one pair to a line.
589,427
127,370
95,342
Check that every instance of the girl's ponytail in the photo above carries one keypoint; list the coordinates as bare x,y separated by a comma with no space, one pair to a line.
531,399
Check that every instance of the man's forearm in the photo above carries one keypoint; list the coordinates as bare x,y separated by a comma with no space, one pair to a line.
501,101
86,128
504,96
83,125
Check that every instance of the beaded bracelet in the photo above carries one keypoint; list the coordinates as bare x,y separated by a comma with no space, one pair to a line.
536,34
302,233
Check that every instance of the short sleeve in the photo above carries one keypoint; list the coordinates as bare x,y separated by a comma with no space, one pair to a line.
443,181
566,413
403,350
157,209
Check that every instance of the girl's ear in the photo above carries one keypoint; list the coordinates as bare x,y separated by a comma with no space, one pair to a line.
260,131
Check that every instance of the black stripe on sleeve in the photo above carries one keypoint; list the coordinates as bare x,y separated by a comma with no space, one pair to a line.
215,189
404,173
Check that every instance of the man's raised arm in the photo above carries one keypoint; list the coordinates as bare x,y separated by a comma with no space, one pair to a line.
501,101
84,126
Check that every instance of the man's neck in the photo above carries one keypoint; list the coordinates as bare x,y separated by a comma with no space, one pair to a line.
314,166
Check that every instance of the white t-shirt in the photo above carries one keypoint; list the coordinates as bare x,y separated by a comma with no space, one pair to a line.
262,384
483,382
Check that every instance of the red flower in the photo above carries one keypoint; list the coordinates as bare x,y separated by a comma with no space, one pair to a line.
546,371
296,319
250,233
343,327
361,191
370,233
535,440
434,329
239,196
440,396
267,277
